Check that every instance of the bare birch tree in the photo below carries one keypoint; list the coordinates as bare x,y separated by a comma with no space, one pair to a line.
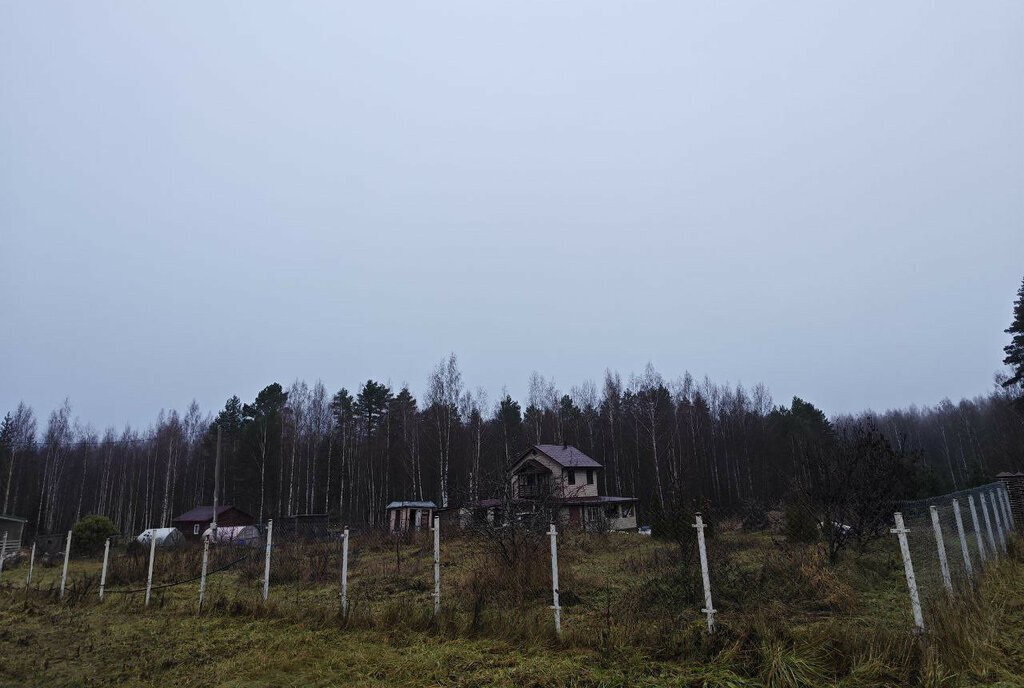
19,435
444,390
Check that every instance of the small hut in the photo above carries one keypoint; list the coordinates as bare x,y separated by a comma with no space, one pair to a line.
301,527
193,522
50,543
240,536
12,526
405,516
165,537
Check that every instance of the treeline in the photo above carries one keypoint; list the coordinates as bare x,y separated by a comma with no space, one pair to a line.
304,449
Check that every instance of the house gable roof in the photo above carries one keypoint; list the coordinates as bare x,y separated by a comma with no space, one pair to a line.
205,513
565,455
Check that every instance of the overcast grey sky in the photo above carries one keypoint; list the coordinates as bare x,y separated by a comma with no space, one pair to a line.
197,199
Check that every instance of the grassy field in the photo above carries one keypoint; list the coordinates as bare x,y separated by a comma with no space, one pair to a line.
631,617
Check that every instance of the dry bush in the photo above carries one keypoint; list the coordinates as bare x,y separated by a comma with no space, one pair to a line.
295,562
511,581
131,564
802,574
380,539
642,563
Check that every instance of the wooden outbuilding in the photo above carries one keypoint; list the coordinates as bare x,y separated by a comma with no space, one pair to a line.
193,523
13,526
408,516
302,526
50,543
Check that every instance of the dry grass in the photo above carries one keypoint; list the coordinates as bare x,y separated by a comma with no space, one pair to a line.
630,613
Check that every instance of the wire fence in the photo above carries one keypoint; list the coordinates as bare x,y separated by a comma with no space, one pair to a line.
952,537
626,584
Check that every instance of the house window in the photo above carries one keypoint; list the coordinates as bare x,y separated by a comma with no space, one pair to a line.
627,510
571,476
195,529
590,476
529,479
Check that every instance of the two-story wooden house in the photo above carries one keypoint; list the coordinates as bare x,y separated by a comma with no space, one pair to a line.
564,480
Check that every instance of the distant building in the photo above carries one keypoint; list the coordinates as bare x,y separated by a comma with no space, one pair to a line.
49,543
565,480
301,527
1014,483
193,523
404,516
13,527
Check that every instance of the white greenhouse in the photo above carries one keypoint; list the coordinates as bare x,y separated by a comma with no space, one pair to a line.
235,535
165,537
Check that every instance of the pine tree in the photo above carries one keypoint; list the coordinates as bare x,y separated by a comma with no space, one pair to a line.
260,418
372,406
1015,349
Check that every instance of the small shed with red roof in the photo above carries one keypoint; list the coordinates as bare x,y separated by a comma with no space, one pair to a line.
193,523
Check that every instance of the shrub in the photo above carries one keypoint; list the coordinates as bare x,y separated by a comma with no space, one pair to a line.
89,534
755,516
674,522
799,524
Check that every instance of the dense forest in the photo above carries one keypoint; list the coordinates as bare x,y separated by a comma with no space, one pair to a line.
303,449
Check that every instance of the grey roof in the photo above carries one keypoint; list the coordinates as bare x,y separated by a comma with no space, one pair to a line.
603,499
9,517
566,455
413,505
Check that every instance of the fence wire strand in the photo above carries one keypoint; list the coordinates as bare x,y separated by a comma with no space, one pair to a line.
180,582
980,508
389,574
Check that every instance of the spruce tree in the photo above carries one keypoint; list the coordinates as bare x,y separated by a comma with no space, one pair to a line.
1015,349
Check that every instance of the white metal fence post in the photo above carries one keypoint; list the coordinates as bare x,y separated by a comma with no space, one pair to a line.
1009,509
999,519
152,556
988,526
31,564
708,608
554,580
941,546
64,573
3,553
437,565
103,572
344,574
202,574
977,529
266,563
963,539
213,522
908,568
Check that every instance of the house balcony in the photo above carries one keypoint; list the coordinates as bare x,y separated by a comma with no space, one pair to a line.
535,491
